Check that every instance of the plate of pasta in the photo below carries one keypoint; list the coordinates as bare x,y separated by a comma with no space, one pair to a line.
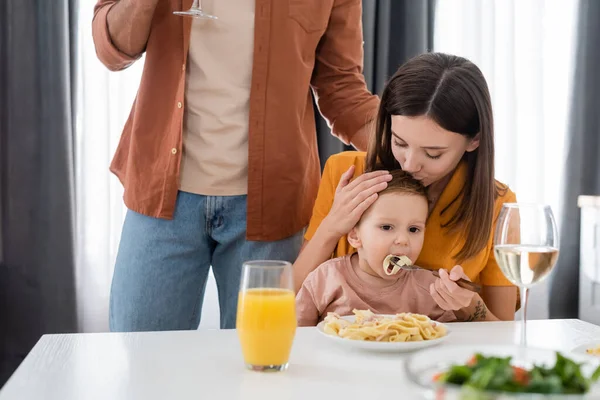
369,331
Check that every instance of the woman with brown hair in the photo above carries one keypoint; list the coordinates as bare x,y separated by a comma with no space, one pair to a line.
435,122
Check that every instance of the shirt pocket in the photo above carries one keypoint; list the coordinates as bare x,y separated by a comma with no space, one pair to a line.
311,15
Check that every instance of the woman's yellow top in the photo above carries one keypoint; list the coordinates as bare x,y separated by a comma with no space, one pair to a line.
440,244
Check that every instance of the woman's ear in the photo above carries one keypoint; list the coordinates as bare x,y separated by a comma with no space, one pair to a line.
474,143
354,238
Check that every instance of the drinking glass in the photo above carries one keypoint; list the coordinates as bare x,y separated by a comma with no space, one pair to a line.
195,11
266,314
526,248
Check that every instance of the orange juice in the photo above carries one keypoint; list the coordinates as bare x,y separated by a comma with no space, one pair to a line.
266,325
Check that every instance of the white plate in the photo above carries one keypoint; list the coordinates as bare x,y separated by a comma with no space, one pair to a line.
382,346
584,347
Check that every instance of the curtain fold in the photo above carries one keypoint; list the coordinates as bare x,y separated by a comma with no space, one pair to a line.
37,89
525,51
104,101
582,167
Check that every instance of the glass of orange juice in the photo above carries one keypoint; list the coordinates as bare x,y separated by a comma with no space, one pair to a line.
266,315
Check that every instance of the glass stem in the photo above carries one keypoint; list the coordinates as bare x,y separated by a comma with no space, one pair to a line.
197,5
524,300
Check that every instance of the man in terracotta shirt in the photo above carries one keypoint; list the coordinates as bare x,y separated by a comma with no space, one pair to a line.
219,157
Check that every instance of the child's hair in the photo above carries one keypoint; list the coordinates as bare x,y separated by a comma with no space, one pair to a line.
453,92
403,182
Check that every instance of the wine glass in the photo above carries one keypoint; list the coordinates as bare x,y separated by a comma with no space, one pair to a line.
195,11
266,314
526,248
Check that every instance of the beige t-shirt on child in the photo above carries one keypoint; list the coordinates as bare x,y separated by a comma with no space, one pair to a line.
336,286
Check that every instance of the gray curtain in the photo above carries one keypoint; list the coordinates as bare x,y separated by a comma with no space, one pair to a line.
582,174
393,31
37,71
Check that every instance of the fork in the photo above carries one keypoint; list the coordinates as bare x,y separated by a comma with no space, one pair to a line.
463,283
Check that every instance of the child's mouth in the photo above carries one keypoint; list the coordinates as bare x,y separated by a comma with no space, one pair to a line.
394,263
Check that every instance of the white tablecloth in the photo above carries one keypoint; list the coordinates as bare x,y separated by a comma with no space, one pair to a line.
208,364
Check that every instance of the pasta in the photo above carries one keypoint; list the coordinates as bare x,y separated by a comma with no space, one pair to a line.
404,327
391,268
595,351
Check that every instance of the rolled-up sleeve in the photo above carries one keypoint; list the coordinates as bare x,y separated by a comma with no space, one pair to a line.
338,80
107,52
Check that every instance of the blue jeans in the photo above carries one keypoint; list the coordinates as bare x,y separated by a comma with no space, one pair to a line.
162,265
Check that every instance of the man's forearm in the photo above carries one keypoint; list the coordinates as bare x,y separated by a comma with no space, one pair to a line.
360,140
129,25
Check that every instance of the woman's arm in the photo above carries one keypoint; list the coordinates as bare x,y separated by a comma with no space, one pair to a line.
496,303
498,294
314,253
500,301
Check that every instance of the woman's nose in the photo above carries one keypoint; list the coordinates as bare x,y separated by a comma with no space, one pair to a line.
411,164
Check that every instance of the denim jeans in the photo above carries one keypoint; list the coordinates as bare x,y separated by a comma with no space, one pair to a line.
162,265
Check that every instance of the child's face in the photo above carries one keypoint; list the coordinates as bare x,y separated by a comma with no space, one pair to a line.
394,224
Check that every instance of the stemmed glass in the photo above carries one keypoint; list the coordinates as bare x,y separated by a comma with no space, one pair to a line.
526,248
195,11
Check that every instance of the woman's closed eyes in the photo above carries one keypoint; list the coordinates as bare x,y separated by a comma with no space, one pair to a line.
404,145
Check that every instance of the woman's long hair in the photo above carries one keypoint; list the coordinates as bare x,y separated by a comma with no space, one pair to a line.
452,92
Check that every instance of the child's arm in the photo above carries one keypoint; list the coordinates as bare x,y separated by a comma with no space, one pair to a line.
307,312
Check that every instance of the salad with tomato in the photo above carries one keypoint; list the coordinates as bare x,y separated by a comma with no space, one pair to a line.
499,375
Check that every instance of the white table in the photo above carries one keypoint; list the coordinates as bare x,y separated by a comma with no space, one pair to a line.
207,364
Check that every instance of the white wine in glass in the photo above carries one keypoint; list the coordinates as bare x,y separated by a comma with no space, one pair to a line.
195,11
526,248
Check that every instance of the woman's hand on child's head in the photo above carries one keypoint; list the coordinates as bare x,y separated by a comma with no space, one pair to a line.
447,294
352,199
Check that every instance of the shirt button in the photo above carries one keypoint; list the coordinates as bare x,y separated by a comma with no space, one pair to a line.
183,67
174,150
179,105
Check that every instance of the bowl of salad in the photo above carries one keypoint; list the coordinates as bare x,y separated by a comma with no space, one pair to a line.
503,372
